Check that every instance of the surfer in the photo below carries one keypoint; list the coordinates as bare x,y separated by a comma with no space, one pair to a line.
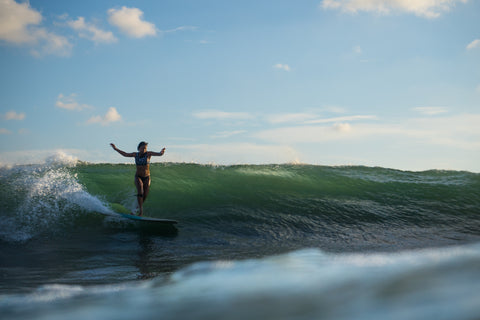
142,175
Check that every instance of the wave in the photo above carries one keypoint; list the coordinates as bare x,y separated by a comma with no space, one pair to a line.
339,207
306,284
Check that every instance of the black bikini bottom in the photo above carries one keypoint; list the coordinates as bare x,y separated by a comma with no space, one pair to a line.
144,180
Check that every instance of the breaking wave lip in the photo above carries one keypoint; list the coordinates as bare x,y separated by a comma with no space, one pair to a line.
44,194
46,157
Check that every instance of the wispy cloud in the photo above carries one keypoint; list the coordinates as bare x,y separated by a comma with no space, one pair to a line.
111,116
290,117
334,109
182,28
222,115
5,131
91,32
70,103
304,134
342,119
234,153
422,8
13,115
430,111
20,25
456,131
228,134
281,66
130,22
474,44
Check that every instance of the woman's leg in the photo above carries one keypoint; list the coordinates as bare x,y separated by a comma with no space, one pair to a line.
146,188
140,194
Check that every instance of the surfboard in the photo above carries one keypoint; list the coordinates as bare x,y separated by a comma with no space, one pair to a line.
147,219
123,212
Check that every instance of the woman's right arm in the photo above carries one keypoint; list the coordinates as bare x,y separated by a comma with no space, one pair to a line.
123,153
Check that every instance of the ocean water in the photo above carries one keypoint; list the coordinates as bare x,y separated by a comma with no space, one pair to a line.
252,242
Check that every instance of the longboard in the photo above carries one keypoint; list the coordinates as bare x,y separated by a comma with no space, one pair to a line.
123,212
142,218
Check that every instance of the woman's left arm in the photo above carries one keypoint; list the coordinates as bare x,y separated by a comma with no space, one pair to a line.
157,153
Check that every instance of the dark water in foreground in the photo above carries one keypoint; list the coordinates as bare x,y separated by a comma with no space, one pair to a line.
268,241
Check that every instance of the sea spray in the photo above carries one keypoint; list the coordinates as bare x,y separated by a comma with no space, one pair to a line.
43,197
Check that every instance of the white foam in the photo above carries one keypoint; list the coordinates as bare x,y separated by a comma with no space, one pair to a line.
42,195
60,157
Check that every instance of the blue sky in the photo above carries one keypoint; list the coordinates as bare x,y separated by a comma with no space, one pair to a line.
332,82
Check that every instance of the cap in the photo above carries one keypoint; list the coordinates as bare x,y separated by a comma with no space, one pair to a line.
141,144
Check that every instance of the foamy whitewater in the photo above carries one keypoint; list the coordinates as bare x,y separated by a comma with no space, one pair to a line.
253,242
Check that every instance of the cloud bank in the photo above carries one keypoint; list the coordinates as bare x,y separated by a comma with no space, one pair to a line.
421,8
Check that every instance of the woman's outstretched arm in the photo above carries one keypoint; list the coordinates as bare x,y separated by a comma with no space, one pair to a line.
123,153
151,153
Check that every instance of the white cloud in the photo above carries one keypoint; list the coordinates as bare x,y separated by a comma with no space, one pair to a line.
13,115
233,153
339,119
228,134
5,131
457,131
290,117
130,21
342,127
112,115
306,134
474,44
15,22
91,32
335,109
221,115
52,43
70,103
19,24
282,66
431,111
182,28
422,8
357,50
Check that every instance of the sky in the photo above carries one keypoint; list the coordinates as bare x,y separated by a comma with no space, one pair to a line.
391,83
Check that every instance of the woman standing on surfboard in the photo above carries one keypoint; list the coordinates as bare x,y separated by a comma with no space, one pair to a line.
142,176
